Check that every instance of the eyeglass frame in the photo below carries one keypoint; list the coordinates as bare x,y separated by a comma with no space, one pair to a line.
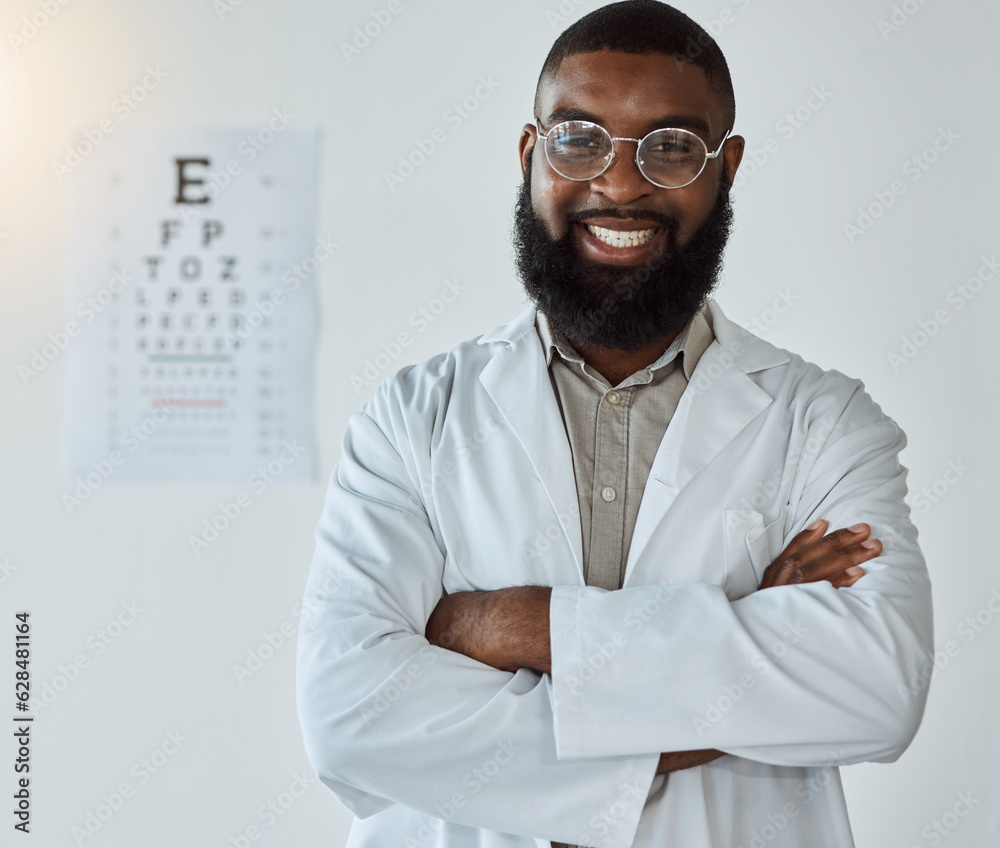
639,142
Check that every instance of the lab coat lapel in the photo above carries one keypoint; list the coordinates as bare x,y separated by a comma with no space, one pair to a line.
718,403
518,381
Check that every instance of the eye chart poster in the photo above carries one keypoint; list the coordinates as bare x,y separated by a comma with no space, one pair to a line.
192,305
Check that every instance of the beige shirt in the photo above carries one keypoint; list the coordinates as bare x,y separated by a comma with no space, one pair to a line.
613,434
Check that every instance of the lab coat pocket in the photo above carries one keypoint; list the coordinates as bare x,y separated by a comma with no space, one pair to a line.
751,546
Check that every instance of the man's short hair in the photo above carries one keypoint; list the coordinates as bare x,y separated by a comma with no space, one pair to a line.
645,26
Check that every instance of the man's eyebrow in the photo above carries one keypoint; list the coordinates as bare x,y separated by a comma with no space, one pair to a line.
686,122
571,114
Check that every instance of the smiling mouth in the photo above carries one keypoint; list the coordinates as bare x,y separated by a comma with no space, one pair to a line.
622,238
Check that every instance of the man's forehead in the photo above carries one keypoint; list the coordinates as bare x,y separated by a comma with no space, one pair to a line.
635,87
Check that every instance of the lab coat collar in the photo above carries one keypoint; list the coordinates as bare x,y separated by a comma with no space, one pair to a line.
718,403
757,354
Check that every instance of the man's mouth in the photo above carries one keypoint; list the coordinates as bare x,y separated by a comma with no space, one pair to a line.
622,238
610,240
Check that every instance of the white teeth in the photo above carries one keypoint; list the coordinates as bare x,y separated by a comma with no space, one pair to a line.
618,238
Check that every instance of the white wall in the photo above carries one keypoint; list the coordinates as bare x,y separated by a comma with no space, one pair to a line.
853,304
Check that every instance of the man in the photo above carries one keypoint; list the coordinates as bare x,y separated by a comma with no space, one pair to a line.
573,583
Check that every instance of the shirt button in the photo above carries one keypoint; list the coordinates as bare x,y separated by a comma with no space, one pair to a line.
608,494
613,397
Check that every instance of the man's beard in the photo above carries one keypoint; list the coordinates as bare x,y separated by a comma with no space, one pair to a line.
613,306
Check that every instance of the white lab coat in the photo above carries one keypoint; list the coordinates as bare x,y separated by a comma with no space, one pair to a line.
458,474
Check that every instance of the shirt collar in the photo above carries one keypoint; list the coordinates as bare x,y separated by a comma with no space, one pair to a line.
692,341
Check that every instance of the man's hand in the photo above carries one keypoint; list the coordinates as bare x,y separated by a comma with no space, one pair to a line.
811,557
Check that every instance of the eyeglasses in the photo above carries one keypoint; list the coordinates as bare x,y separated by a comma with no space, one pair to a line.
668,158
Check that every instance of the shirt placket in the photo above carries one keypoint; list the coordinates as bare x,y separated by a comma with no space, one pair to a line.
610,482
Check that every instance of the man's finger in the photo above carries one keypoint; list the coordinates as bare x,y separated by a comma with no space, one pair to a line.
837,540
822,558
848,578
811,534
835,562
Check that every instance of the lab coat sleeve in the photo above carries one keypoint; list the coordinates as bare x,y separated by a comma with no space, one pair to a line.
802,675
388,719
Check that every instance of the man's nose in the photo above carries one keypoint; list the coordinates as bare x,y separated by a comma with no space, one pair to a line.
622,182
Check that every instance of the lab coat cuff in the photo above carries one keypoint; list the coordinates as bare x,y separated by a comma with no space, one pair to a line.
569,708
564,646
616,821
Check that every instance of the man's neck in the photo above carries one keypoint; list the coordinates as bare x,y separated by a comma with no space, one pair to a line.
617,365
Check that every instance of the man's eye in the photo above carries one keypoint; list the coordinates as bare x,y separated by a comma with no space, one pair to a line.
579,146
672,145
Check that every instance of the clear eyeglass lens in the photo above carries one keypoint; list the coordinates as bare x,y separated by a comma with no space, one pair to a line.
580,150
672,157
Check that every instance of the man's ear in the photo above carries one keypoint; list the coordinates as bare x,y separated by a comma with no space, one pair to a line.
529,135
732,156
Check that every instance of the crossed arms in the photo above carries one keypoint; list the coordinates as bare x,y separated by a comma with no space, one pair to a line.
509,628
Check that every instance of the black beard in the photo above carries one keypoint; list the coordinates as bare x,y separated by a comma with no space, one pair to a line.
619,307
